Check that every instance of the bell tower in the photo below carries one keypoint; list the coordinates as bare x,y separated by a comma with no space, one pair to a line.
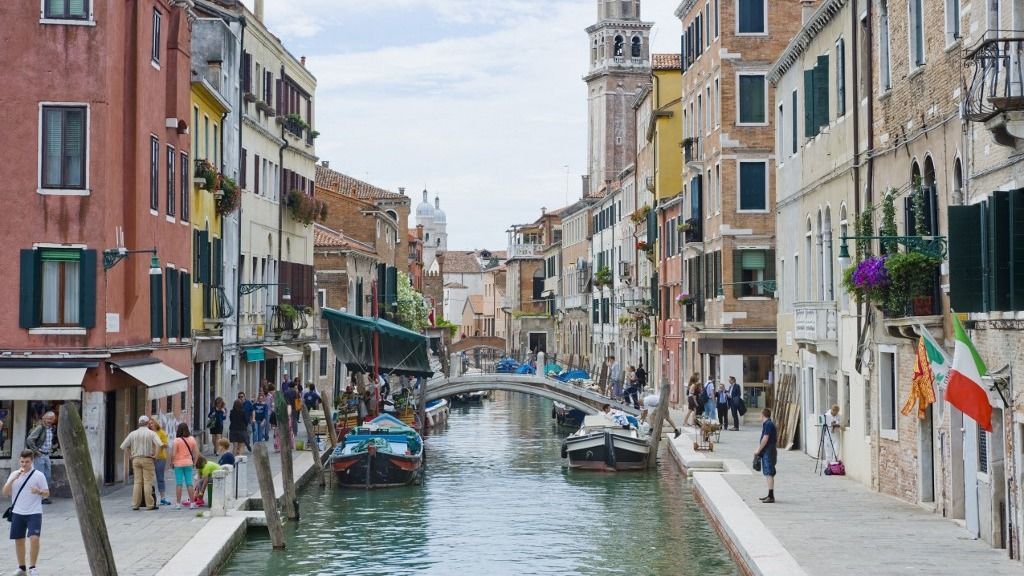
620,64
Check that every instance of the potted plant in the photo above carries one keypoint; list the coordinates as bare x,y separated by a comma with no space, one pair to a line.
640,215
643,245
868,279
684,299
911,282
688,141
603,277
304,208
684,227
228,197
206,175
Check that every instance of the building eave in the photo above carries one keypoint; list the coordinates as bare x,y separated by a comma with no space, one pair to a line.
815,24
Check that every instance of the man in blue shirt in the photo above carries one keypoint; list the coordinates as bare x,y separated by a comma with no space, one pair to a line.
311,398
249,410
768,452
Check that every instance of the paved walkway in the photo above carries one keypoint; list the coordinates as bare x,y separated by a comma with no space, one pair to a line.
835,525
143,541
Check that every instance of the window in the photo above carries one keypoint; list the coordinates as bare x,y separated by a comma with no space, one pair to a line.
884,63
63,155
982,451
752,94
156,307
154,173
753,189
916,32
206,137
751,269
185,191
66,9
887,390
840,78
718,105
323,361
816,81
751,17
216,146
952,21
793,119
716,18
155,51
195,130
780,135
171,171
58,288
707,24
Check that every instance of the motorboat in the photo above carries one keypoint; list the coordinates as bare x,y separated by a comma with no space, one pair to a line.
437,412
567,416
607,443
382,453
469,398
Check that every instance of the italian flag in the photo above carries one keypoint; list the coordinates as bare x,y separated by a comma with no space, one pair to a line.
964,389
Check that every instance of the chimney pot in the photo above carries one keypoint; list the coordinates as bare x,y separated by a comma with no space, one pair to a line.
326,163
302,60
258,10
808,8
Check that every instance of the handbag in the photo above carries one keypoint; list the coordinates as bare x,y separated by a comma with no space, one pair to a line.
9,513
741,407
835,469
756,465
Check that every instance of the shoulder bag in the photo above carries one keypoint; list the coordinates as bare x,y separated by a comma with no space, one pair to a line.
189,448
756,465
9,513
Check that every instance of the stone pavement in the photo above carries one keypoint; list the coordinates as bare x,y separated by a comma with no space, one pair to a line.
143,541
834,525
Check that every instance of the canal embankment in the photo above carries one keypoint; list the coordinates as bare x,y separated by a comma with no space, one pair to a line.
821,524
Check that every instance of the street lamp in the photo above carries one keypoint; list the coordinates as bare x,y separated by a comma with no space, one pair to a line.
244,289
934,246
114,255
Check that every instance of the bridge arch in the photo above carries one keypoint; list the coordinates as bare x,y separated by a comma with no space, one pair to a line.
587,401
492,342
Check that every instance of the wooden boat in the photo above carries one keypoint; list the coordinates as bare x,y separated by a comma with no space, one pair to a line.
601,444
381,453
437,412
567,416
475,398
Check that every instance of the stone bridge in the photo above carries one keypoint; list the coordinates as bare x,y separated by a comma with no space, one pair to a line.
583,399
492,342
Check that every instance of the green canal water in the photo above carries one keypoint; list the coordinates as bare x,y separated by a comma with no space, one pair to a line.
496,500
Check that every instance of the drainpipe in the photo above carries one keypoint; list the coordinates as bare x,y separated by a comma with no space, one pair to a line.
238,269
281,196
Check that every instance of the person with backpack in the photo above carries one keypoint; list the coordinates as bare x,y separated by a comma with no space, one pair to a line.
311,398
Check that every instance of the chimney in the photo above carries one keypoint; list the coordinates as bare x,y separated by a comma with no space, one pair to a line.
808,10
258,10
401,190
543,210
326,163
419,232
302,60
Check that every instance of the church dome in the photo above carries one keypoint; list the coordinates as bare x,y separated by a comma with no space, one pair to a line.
424,211
439,215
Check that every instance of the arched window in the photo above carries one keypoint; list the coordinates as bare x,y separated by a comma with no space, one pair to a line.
636,47
619,41
958,182
393,214
820,257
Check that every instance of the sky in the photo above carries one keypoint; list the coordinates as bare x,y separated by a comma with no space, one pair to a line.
478,101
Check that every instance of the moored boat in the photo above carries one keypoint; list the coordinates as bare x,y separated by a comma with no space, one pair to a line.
469,398
381,453
567,416
437,412
601,444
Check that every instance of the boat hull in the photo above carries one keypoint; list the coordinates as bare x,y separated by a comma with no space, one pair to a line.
377,470
606,451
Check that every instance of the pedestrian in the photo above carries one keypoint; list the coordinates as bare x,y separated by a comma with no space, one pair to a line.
161,460
260,422
722,405
767,452
215,421
293,399
185,451
205,468
285,381
735,398
3,431
41,441
142,445
651,402
237,426
632,395
250,421
226,456
311,398
26,510
831,430
692,394
707,399
641,378
615,377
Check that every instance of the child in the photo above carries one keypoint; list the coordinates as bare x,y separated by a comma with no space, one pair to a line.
226,456
206,470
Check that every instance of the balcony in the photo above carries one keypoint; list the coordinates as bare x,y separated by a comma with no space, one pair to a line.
525,250
692,231
996,89
817,323
692,154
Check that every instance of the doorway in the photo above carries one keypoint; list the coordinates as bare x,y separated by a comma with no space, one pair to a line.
538,341
926,457
110,439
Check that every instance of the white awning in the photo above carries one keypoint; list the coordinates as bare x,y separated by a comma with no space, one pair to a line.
285,353
160,379
41,383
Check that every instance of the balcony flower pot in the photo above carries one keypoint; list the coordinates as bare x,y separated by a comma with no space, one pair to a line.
249,97
923,306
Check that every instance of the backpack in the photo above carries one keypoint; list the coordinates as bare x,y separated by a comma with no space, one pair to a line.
704,397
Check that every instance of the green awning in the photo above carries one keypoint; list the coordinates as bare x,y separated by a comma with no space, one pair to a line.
401,350
254,355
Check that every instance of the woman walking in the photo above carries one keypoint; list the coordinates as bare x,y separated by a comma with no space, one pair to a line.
185,452
161,460
692,400
215,421
237,427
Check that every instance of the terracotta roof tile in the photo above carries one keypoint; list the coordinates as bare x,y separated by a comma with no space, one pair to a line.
461,263
666,62
344,184
327,238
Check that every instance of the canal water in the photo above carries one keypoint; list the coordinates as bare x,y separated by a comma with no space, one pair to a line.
496,500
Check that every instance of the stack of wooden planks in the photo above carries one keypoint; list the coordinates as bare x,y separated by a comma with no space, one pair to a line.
786,410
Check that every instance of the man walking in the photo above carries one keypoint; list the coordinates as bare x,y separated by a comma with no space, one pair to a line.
249,410
41,442
768,453
735,397
615,377
142,445
28,488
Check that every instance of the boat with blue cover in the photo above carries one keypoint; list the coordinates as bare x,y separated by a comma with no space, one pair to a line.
382,453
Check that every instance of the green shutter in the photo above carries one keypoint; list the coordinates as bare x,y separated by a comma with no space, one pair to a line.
87,289
186,304
965,257
998,247
810,128
596,314
769,265
391,289
29,290
1016,215
655,303
217,263
737,273
382,282
821,115
652,226
204,257
156,307
170,291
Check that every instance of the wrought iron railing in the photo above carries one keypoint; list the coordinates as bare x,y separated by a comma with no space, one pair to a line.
993,78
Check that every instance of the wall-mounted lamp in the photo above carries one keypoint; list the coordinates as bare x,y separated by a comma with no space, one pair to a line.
114,255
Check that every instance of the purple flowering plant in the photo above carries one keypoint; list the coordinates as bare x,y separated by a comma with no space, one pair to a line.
868,279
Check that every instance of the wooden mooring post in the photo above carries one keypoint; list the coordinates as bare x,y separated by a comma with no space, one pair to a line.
313,446
284,430
78,465
266,480
659,416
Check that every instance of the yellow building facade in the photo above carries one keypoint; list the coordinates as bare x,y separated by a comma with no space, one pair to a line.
212,194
